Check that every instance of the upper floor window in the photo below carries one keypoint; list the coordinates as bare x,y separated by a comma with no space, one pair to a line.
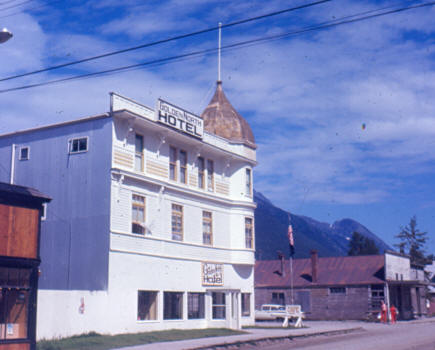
201,181
248,189
24,153
249,233
138,153
78,145
210,171
207,234
177,222
183,167
177,160
138,214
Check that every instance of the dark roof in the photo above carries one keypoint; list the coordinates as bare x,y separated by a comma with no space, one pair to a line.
342,270
9,193
220,118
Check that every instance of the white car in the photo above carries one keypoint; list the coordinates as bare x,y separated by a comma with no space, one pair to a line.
269,312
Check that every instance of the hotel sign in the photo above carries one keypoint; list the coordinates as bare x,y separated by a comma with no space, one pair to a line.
212,274
179,119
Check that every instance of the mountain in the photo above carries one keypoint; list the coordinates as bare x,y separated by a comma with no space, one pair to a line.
271,224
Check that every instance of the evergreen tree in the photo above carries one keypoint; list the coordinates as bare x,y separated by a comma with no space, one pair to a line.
361,245
412,241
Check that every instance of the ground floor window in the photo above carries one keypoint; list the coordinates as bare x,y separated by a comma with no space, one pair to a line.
146,305
14,302
337,290
278,298
172,305
218,305
195,305
246,304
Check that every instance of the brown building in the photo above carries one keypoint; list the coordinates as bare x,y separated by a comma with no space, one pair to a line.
347,287
20,211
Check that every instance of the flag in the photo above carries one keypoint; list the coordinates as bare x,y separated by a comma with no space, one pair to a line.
291,240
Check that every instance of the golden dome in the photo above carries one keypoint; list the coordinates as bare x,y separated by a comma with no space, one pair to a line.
220,118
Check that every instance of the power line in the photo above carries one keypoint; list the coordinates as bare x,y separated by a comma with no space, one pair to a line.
251,42
31,8
183,36
15,5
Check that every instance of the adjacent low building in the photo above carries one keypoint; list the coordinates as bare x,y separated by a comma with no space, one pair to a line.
151,226
339,288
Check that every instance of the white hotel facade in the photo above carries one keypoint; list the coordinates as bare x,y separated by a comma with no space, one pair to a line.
151,226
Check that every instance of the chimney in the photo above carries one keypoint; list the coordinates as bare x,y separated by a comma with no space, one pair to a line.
314,265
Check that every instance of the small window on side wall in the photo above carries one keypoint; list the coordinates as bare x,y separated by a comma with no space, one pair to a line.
24,153
78,145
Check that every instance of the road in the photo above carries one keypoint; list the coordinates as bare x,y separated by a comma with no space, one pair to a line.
403,336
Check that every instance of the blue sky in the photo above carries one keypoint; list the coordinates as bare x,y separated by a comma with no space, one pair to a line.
344,118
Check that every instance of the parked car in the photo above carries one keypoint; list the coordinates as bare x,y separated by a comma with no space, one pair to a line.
270,312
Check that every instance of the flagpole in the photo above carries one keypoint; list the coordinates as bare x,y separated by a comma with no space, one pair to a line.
291,279
291,246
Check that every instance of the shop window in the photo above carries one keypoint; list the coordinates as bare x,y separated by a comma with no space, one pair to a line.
210,175
78,145
138,214
246,304
201,174
146,305
177,222
337,290
24,153
249,233
218,306
14,303
195,305
138,153
248,177
172,305
207,223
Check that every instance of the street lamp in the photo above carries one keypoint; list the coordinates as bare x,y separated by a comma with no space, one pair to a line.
5,35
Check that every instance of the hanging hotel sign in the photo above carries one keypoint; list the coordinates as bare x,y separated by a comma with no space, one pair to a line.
179,119
212,274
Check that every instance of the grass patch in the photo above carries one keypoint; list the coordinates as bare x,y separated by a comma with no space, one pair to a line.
95,341
273,327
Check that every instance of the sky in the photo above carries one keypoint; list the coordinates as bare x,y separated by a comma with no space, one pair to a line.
343,116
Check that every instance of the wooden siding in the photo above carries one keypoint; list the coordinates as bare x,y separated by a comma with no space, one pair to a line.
18,231
123,158
222,188
155,168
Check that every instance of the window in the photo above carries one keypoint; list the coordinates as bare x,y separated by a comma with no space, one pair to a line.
14,302
278,298
138,153
210,171
249,237
146,305
218,306
246,304
138,214
177,222
172,305
207,234
337,290
183,167
24,153
173,163
78,145
377,296
248,190
195,305
200,172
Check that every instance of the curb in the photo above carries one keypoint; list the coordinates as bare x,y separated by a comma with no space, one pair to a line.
276,338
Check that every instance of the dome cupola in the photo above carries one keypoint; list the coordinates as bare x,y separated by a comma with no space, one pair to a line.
220,118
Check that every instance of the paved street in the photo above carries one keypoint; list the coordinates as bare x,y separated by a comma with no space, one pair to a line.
403,336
